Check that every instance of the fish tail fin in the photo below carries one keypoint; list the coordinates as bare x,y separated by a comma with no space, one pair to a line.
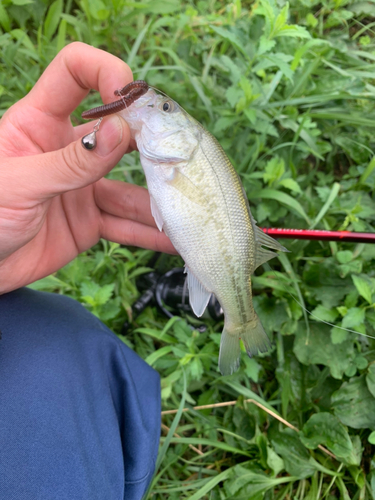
230,353
255,341
254,337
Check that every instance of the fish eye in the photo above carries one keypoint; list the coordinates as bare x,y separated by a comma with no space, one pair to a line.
167,106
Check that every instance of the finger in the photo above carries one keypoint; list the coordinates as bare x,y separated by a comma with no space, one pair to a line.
74,71
129,232
124,200
39,177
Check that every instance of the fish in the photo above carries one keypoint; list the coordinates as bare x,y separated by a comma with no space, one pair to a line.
198,200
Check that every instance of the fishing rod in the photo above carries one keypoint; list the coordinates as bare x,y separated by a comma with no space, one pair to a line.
320,235
170,288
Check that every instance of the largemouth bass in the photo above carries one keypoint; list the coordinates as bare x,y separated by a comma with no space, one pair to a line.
198,200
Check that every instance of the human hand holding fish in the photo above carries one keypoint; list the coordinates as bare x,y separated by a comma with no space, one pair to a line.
54,201
198,200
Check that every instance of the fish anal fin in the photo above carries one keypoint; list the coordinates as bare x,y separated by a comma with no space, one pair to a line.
198,295
156,214
186,187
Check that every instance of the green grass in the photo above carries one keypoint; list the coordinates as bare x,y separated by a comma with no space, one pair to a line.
289,92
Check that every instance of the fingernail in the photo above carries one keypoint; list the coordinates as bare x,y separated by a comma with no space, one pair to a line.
109,135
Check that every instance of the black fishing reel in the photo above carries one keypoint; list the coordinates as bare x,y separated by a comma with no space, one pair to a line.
170,293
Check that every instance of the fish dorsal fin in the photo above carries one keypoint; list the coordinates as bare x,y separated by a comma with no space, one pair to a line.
156,214
262,239
198,295
262,255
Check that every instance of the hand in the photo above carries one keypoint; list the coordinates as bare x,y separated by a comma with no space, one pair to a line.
54,202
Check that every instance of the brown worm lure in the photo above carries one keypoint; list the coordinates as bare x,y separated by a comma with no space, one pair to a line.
129,94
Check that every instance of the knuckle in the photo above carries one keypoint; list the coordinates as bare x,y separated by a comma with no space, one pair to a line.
73,161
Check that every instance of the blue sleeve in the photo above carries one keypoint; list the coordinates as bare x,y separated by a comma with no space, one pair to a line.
79,410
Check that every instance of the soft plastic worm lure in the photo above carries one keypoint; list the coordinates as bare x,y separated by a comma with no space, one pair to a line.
129,94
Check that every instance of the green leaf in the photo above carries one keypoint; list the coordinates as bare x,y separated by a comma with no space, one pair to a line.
274,462
338,335
311,20
296,458
291,184
265,45
52,19
332,196
368,171
153,357
248,394
292,30
249,484
61,35
158,6
363,287
4,18
167,441
21,36
370,378
104,294
344,256
324,313
137,43
318,349
231,37
326,429
279,60
285,199
207,442
354,405
201,493
252,368
22,2
354,317
49,283
98,10
274,170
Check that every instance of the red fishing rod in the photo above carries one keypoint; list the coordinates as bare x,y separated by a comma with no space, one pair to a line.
319,234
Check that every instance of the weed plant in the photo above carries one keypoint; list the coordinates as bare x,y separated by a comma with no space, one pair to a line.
288,90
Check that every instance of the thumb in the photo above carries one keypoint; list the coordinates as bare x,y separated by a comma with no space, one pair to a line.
43,176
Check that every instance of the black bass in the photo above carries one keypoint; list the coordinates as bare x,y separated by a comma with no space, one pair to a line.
198,200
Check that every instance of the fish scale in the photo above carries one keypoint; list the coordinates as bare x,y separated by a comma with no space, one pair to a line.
198,200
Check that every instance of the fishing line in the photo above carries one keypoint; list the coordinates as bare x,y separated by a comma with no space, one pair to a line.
160,91
312,314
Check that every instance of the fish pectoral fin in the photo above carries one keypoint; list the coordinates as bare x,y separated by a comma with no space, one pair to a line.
198,295
186,187
262,255
156,214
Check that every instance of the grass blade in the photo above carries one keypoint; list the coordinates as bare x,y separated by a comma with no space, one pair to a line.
370,167
281,197
168,439
137,44
332,196
211,484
